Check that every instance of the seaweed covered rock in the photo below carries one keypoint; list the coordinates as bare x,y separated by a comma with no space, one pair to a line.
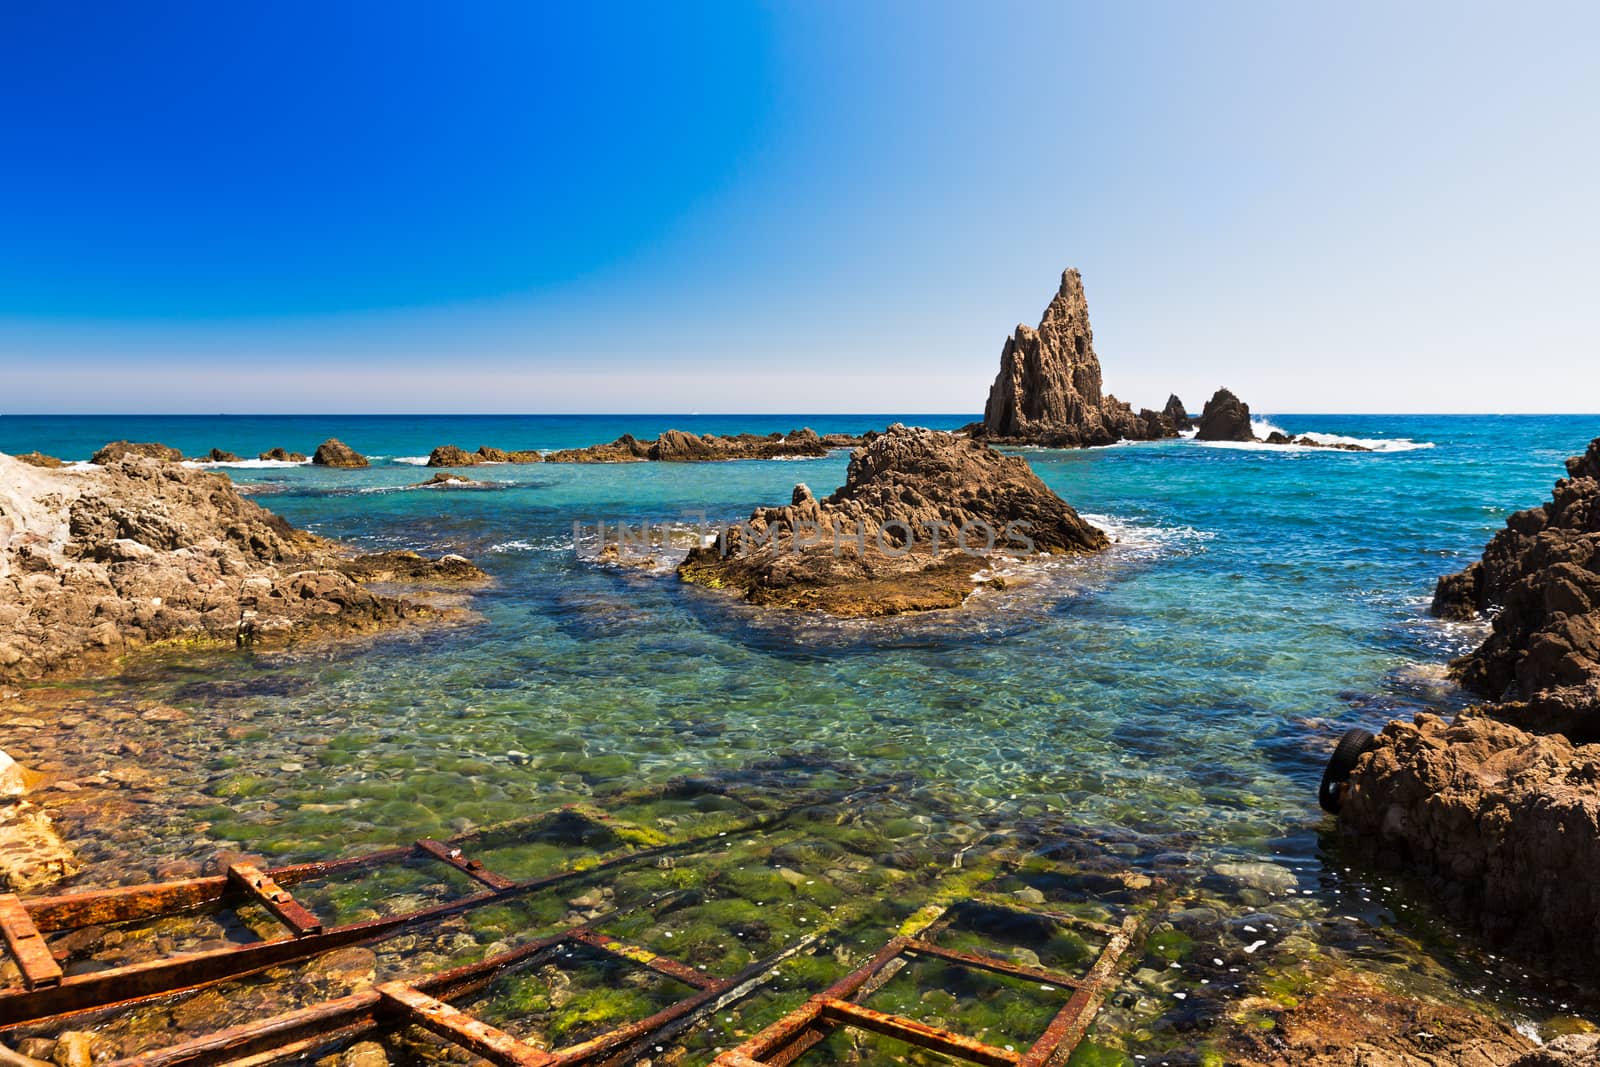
1225,418
920,512
335,453
1048,390
1541,577
1503,823
97,562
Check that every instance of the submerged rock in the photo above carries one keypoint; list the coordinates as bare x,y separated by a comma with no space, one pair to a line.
920,512
1225,418
32,854
335,453
1048,391
94,563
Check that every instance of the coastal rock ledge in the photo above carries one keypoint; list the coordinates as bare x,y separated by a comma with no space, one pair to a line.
920,514
95,563
1500,810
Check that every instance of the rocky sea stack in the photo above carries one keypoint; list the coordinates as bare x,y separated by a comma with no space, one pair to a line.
1048,391
1501,809
870,548
1225,418
95,563
335,453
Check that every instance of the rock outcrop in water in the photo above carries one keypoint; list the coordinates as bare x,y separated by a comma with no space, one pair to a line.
921,512
452,456
335,453
1048,391
95,563
1501,809
1177,415
1540,576
677,446
283,456
116,450
1225,418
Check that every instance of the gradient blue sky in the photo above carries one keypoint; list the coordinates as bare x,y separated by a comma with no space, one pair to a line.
793,207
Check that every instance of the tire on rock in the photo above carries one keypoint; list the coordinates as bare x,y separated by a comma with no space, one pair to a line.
1351,747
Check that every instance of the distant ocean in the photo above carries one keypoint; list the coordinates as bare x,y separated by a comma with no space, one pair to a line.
1178,695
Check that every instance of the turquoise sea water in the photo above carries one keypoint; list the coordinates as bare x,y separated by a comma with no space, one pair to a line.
1177,696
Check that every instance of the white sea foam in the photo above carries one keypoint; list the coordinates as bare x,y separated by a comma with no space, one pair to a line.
1264,428
245,464
414,461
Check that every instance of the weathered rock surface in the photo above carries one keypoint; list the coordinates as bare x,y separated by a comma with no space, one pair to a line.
335,453
39,459
1177,415
1225,418
869,548
217,455
1049,389
452,456
1356,1022
94,563
1541,575
118,449
32,854
676,446
1505,824
283,455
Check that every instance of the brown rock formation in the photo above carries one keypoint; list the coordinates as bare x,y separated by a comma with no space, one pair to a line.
118,449
335,453
1177,415
677,446
1048,391
1225,418
1542,573
94,563
1501,810
1354,1021
500,455
1505,824
283,456
871,549
39,459
451,456
217,455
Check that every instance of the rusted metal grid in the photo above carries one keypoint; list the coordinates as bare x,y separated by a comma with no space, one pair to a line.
425,1002
839,1006
49,993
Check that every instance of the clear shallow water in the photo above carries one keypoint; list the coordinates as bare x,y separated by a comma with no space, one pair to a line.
1177,697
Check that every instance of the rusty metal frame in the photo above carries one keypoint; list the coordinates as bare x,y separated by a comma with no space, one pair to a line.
425,1002
55,995
839,1005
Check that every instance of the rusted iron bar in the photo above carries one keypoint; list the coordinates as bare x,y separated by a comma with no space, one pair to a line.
123,986
457,1027
28,948
992,964
645,958
1066,1030
452,855
276,899
914,1033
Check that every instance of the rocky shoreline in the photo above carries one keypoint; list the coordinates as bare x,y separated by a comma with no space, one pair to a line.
1500,810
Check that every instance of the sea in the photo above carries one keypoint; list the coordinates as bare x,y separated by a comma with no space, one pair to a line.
1174,699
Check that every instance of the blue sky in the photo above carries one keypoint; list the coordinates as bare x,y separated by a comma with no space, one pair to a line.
788,207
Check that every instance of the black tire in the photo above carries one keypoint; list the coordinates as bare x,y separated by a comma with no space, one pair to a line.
1351,747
